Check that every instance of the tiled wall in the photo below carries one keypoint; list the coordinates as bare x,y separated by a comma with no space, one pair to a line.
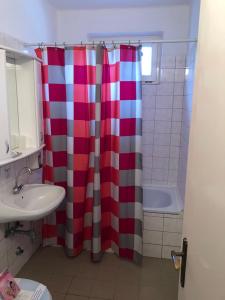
186,120
162,122
8,246
162,233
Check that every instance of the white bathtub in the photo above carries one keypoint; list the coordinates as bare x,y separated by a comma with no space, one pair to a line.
160,199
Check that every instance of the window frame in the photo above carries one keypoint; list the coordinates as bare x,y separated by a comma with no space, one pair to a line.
156,54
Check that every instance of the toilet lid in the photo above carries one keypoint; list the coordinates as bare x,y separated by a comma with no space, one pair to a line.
30,285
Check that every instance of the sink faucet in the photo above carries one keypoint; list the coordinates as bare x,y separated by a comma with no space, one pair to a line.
17,188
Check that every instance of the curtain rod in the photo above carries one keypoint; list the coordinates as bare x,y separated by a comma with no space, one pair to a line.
93,43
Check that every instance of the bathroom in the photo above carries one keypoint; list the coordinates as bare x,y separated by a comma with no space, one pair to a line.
111,149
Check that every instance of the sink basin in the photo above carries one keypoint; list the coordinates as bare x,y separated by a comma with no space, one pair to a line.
34,202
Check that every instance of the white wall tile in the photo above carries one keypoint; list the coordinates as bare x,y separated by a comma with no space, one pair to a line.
178,88
163,114
179,75
164,102
151,250
162,126
168,61
153,223
172,239
160,162
167,75
152,237
162,139
161,151
173,225
165,89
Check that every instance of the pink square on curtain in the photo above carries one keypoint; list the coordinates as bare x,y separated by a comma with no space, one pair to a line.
127,127
80,93
127,161
111,73
128,90
106,92
57,92
128,53
81,128
56,56
79,56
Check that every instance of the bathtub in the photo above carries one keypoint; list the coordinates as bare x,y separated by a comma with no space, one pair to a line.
161,199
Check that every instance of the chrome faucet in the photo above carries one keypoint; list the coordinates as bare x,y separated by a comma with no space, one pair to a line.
17,188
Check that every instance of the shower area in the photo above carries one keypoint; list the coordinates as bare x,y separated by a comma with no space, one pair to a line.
167,107
96,96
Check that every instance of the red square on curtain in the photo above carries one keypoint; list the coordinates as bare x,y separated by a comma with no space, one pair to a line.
110,73
58,126
127,53
127,127
56,56
57,92
81,111
79,193
59,158
128,90
84,75
110,109
60,217
80,178
81,145
46,109
44,74
127,226
127,161
127,194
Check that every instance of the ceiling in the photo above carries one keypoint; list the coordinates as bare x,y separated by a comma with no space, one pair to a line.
92,4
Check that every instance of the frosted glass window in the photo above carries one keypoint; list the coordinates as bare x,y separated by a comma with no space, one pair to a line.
146,61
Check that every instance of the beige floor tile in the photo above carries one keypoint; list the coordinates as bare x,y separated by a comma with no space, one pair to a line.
58,296
75,297
80,287
126,292
59,284
102,289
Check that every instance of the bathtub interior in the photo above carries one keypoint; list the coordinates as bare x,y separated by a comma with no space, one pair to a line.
161,199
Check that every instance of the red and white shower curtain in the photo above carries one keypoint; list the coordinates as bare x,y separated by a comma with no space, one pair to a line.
92,112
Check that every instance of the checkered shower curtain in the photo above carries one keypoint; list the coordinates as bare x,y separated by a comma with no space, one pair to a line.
92,112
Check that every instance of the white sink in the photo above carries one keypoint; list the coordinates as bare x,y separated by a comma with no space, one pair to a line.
34,202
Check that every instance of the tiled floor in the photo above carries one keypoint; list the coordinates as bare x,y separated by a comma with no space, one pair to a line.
112,278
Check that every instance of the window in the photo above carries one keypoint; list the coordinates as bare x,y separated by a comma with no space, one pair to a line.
150,63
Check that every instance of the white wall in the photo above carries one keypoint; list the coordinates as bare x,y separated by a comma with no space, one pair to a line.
75,25
28,20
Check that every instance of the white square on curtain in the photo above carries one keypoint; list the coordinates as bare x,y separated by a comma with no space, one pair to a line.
138,109
115,91
97,214
49,158
69,74
138,211
115,160
70,110
138,177
91,57
115,127
97,146
70,178
69,210
92,92
46,88
130,71
138,144
115,191
98,112
69,240
137,243
90,190
114,56
70,145
98,74
96,245
97,179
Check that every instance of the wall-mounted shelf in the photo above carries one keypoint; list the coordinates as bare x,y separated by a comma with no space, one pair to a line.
25,153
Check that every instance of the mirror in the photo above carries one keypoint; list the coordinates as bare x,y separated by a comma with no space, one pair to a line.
12,102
